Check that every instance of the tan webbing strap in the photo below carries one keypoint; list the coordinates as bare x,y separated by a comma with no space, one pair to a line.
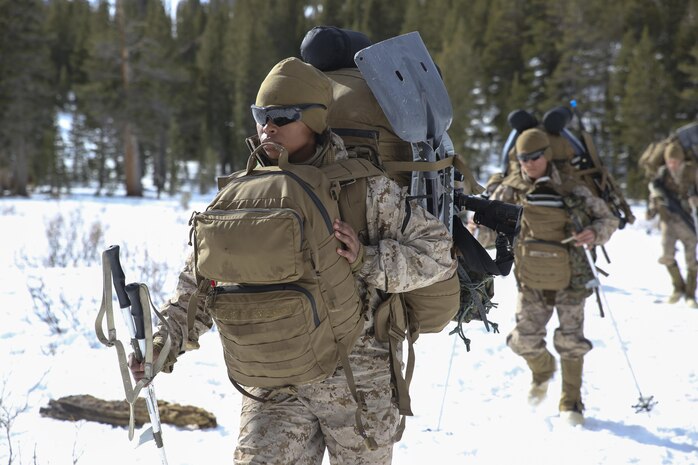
106,309
358,398
456,161
192,307
396,335
147,303
418,165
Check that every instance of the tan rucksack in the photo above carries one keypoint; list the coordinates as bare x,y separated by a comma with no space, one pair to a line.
355,113
653,157
285,303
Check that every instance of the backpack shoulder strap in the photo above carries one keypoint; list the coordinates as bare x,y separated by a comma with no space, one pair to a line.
351,176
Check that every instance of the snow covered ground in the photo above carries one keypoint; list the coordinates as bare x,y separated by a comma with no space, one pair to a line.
470,407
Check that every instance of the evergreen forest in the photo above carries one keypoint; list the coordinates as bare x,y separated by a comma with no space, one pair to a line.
158,96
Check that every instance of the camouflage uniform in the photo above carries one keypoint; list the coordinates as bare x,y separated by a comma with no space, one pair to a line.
681,185
406,249
535,306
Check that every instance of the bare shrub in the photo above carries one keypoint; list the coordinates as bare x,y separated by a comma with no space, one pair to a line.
9,412
150,271
71,243
60,317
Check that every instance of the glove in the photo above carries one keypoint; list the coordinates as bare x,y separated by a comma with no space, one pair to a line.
693,201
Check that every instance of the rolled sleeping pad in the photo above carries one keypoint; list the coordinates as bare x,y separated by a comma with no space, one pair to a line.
329,48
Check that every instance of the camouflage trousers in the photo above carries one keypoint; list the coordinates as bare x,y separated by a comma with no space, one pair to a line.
533,312
296,427
674,229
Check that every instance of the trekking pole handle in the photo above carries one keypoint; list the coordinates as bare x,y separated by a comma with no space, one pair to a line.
133,291
117,275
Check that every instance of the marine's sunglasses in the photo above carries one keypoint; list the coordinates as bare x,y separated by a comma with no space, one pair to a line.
281,116
533,156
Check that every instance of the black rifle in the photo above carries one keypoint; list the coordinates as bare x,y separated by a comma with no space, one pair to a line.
673,204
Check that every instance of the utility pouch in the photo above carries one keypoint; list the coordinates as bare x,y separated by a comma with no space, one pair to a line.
266,334
543,265
238,246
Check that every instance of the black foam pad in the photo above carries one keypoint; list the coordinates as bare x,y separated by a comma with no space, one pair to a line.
522,120
329,48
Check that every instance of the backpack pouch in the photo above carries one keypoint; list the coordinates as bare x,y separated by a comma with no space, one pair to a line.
543,265
251,246
273,335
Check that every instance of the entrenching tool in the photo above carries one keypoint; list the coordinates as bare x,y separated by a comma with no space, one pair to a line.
406,83
132,298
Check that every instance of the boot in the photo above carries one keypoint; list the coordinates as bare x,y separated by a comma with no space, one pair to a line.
542,368
571,406
691,288
677,282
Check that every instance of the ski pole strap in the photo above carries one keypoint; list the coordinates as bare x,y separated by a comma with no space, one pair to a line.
110,340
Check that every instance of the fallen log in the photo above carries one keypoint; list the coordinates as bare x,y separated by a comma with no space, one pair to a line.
115,412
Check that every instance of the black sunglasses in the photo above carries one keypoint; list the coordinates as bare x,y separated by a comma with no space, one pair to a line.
533,156
282,115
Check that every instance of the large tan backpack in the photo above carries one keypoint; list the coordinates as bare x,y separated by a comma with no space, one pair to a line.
285,303
653,157
355,113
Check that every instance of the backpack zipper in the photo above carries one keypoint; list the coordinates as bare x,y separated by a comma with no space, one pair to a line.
260,210
240,289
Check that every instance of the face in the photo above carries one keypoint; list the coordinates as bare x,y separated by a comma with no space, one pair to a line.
673,164
534,169
296,137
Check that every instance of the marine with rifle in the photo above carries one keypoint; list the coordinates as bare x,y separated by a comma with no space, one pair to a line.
674,197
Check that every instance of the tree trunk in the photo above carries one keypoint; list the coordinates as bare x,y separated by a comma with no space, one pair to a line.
21,168
132,163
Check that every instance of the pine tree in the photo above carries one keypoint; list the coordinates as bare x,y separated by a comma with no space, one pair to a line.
686,55
68,29
461,73
250,61
188,108
689,95
155,75
99,97
646,107
501,55
540,55
26,97
216,82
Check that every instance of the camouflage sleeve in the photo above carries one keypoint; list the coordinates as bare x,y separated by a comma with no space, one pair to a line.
485,235
175,312
408,248
603,222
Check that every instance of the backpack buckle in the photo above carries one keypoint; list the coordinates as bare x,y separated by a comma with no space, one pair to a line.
335,189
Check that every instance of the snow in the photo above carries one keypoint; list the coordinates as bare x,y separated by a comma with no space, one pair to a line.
470,407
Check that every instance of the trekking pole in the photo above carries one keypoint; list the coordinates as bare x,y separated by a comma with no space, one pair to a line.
595,283
644,403
448,377
133,295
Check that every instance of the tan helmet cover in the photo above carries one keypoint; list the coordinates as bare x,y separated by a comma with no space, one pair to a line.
293,82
